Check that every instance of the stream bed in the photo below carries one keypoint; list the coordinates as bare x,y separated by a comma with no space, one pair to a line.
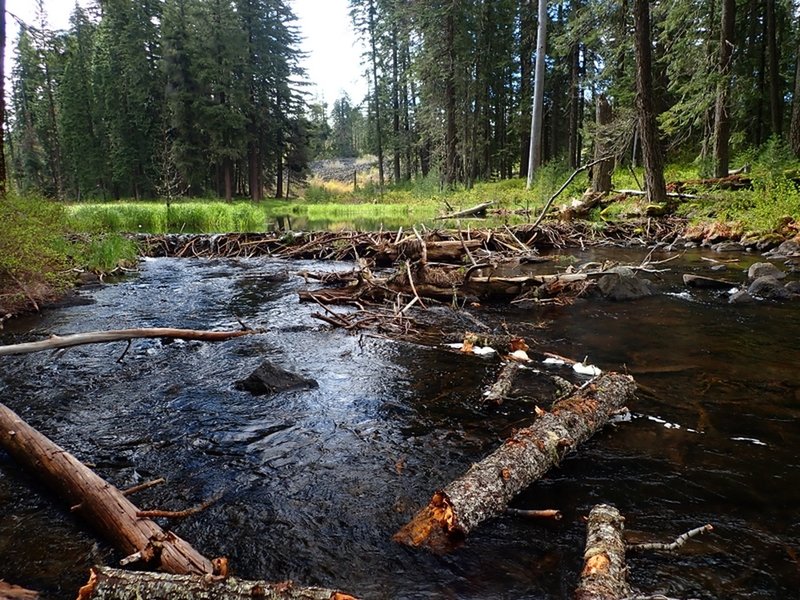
313,483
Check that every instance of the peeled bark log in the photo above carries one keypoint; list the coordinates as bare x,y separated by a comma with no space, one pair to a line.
604,571
475,211
115,584
102,337
485,490
9,591
103,505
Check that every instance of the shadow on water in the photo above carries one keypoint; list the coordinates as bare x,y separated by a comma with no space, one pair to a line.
315,482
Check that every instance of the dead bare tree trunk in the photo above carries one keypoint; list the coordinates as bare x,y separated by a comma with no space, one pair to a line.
115,584
103,505
485,490
722,120
604,575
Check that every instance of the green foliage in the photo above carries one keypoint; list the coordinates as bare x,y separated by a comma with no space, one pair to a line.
104,253
33,253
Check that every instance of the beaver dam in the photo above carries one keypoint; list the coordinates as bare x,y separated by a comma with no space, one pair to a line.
355,475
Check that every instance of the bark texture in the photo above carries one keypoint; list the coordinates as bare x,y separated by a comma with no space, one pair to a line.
115,584
601,173
502,387
101,337
604,571
652,153
9,591
722,121
485,490
103,505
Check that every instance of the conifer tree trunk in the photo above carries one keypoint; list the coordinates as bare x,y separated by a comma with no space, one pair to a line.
376,90
601,173
794,133
535,158
525,92
395,107
450,139
775,87
722,122
652,153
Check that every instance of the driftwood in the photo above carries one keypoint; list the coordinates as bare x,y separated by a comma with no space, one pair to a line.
475,211
699,281
102,337
604,574
9,591
103,505
115,584
485,490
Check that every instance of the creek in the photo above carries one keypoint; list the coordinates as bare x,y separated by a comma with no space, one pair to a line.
314,483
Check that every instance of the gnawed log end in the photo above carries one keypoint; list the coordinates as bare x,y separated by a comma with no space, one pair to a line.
434,527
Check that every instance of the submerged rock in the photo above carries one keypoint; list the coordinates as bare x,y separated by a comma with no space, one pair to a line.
768,288
271,379
740,297
764,269
621,283
727,247
699,281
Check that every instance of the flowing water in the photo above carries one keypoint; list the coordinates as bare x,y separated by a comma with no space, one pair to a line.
314,483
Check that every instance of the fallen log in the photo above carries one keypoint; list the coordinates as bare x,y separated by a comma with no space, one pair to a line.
604,574
116,584
475,211
102,337
102,504
485,490
9,591
502,386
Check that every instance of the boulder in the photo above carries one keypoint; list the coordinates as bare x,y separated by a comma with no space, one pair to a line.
788,249
740,297
271,379
764,269
621,283
727,247
768,288
793,287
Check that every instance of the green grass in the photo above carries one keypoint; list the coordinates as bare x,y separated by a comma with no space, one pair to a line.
151,217
105,253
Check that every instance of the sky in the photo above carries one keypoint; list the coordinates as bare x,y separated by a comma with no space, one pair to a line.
333,61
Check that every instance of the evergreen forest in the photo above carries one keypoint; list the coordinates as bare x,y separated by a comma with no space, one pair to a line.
206,98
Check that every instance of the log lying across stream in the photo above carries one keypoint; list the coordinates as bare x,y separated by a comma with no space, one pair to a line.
485,490
103,505
115,584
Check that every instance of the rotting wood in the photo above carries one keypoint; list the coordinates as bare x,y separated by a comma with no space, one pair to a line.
475,211
604,574
102,337
103,505
485,490
9,591
116,584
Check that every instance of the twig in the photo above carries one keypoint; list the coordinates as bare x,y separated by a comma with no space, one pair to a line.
178,514
679,541
548,513
413,287
563,187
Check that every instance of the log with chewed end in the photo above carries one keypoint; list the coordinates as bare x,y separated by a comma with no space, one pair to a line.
604,572
116,584
9,591
486,489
